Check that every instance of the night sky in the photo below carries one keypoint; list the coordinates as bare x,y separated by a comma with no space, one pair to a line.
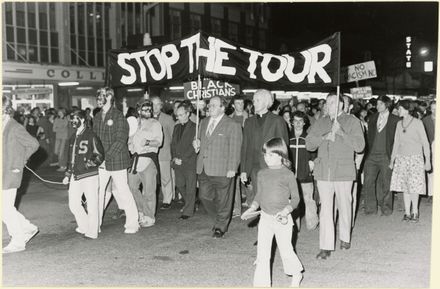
378,27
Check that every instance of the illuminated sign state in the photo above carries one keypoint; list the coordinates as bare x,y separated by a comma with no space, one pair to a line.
361,92
408,52
210,88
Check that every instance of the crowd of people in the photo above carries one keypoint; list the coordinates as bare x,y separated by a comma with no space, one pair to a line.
301,160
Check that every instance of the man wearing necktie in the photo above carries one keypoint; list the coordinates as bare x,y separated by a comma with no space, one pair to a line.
381,130
217,162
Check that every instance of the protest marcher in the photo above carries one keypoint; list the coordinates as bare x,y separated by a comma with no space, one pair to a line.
257,130
166,177
84,157
302,164
381,131
429,123
409,160
218,147
337,137
60,127
184,159
277,196
18,146
112,129
239,115
144,146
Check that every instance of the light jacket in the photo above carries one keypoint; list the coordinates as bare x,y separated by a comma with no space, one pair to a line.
335,160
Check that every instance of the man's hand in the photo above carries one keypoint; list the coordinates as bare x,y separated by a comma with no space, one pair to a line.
391,164
245,215
66,180
243,178
102,166
427,166
15,170
311,165
196,145
337,129
230,174
178,161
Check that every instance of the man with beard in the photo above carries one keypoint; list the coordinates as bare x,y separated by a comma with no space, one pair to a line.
144,146
112,128
84,156
18,146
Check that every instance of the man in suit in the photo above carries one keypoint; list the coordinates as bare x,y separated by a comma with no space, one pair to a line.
218,149
166,177
336,137
258,129
111,127
377,174
184,159
18,146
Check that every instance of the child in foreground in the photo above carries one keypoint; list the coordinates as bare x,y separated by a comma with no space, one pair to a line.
276,185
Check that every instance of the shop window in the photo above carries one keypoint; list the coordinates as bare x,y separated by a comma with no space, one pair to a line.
91,59
196,22
91,43
52,16
32,33
21,35
72,18
54,55
216,27
8,9
176,24
73,42
73,59
54,39
10,34
10,53
44,54
19,14
31,15
233,31
43,38
42,15
33,53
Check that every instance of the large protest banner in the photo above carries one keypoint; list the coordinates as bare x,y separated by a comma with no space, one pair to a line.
215,58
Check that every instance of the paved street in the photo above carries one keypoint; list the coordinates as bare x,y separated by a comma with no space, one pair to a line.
386,252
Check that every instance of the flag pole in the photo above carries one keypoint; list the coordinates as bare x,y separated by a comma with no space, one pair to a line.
338,87
199,90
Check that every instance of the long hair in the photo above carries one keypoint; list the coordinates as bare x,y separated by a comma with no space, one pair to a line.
408,105
277,146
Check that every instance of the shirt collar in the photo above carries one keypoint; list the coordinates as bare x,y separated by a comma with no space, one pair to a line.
385,114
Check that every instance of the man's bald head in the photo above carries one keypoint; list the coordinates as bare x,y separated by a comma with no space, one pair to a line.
262,100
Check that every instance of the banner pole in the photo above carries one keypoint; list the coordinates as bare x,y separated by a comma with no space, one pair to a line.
199,90
339,77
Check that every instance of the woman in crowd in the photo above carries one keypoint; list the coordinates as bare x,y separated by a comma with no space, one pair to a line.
409,160
287,116
60,128
302,165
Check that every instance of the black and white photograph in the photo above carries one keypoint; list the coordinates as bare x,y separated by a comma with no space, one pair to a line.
211,144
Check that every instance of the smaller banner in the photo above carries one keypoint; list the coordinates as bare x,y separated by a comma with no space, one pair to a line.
361,92
210,88
361,71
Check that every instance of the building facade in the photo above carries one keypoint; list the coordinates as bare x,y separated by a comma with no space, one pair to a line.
54,54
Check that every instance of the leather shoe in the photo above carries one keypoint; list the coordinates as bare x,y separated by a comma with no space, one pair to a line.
323,254
183,217
345,245
218,234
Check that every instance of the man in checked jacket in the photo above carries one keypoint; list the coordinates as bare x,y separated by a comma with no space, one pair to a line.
218,147
112,128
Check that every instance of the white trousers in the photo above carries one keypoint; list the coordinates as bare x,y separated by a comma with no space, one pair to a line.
327,192
311,210
267,228
167,181
122,195
87,222
15,222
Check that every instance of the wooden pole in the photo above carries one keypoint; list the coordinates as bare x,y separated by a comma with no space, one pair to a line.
199,91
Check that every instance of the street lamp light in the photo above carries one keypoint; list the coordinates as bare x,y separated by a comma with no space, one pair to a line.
424,51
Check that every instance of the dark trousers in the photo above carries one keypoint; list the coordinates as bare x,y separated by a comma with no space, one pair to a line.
186,180
377,179
216,197
251,192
